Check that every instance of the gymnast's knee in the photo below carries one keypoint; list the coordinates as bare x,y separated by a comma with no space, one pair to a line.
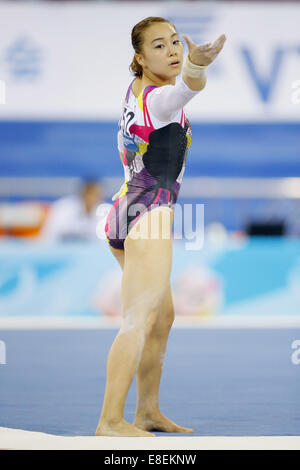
163,323
141,322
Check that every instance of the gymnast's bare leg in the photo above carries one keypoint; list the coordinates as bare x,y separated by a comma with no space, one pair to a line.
148,415
141,342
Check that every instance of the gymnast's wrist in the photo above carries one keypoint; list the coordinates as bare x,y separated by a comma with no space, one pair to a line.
193,70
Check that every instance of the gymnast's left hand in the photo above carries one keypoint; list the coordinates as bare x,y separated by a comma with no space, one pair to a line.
204,54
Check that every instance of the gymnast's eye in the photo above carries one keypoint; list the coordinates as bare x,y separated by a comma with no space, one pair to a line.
161,45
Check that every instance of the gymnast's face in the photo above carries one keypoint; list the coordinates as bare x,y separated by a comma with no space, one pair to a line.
161,47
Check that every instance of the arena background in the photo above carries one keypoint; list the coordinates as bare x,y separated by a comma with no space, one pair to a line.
63,77
63,98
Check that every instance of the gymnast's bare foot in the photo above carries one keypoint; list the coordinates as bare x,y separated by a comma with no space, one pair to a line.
121,428
156,421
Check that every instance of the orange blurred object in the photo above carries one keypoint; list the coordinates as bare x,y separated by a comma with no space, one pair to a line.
23,219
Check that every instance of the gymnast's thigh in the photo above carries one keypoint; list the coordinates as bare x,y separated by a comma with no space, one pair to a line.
148,263
118,254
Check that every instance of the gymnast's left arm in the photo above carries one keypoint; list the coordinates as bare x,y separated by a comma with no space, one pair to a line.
169,99
166,101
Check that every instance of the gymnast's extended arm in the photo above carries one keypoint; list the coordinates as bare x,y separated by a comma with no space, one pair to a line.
164,102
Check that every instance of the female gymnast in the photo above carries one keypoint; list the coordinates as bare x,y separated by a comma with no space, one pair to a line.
153,139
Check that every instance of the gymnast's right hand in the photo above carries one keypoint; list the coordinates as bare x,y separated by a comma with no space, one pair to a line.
204,54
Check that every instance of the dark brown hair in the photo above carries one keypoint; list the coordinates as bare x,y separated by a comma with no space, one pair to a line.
137,40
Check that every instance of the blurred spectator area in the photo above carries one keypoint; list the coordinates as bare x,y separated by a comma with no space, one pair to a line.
26,203
233,202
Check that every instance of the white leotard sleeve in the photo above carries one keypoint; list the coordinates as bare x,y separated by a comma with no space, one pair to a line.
120,141
165,101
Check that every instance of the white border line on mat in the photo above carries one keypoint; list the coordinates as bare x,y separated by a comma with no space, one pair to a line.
92,323
18,439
